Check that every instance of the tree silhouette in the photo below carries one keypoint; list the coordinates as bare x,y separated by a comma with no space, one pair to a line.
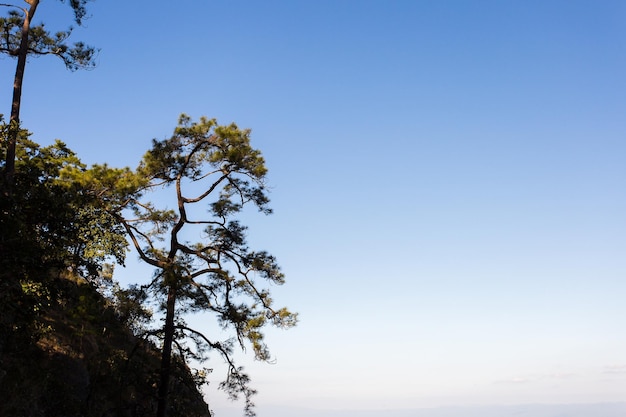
219,274
19,39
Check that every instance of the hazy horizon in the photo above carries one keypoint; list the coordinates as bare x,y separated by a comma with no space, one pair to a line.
523,410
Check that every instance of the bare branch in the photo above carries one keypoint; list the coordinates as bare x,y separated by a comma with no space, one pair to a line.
208,192
214,345
15,7
130,230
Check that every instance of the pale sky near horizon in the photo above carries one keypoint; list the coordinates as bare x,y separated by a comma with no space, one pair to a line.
448,181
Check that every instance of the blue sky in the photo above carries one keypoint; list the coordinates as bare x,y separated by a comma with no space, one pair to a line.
448,181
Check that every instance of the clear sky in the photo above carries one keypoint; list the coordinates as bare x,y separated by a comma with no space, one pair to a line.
448,181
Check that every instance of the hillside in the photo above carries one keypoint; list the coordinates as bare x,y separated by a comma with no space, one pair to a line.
78,359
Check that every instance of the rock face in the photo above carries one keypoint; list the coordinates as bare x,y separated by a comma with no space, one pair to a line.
78,359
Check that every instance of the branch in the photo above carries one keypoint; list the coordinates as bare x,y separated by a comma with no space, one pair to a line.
129,230
217,346
205,271
201,291
208,174
149,333
205,222
206,193
200,253
239,385
181,351
15,7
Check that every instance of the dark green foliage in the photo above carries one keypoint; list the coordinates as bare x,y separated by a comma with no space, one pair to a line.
51,221
42,237
65,349
88,364
62,221
43,42
79,8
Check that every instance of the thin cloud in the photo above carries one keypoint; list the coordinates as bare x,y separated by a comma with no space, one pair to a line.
561,376
615,369
527,379
515,380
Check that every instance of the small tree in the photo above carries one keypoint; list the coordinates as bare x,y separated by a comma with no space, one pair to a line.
20,39
220,274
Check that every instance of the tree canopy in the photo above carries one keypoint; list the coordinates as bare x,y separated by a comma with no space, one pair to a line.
220,274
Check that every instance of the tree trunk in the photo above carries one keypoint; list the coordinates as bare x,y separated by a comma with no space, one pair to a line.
14,128
166,354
